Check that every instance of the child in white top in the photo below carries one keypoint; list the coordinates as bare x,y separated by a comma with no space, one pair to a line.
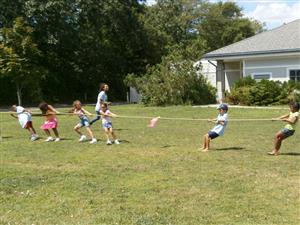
84,121
218,130
289,129
24,117
107,124
102,98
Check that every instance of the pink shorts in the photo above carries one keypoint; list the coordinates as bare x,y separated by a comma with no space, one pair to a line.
49,124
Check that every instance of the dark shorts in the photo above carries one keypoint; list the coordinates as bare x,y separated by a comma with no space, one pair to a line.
28,125
212,134
287,133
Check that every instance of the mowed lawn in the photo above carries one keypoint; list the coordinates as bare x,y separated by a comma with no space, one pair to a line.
155,176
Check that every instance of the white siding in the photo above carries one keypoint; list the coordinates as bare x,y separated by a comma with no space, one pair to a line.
279,68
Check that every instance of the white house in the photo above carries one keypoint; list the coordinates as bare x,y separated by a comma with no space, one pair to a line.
273,55
208,70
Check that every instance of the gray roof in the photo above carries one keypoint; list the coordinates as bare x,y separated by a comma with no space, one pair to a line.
283,39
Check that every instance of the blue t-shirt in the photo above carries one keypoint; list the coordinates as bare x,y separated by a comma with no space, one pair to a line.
219,128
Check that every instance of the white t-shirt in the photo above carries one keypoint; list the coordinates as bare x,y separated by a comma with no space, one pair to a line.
219,128
23,116
102,96
105,119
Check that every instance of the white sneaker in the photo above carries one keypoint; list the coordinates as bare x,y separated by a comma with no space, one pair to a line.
93,141
34,137
82,138
49,139
108,142
57,140
117,142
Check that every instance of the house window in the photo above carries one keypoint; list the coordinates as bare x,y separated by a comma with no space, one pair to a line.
261,76
295,75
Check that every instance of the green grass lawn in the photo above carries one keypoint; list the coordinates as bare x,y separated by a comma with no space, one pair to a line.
156,176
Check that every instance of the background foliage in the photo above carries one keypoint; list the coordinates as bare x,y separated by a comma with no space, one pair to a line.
84,42
247,91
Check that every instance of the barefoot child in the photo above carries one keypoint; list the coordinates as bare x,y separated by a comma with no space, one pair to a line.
218,130
107,124
25,120
289,129
51,121
84,122
102,98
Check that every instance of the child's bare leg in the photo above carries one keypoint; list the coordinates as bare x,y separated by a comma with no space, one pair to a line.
77,129
90,132
47,132
277,143
204,142
113,134
55,132
31,131
106,133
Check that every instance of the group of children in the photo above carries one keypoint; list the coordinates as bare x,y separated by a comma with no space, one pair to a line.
104,113
51,122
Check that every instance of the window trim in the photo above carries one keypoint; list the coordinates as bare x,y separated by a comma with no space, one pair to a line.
261,73
289,71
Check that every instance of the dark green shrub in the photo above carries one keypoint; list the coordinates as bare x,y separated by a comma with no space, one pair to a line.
265,92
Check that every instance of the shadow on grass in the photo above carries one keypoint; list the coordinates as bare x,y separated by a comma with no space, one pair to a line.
291,153
120,129
167,146
124,141
230,148
6,137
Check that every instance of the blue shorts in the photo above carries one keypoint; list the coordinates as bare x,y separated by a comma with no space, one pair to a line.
212,134
107,125
84,122
287,133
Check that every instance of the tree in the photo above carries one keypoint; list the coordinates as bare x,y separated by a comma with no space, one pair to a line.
20,57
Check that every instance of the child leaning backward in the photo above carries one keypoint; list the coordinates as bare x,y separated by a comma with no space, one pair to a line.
24,117
84,121
218,130
289,129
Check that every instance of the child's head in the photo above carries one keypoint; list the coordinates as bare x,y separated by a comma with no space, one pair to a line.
223,108
104,106
77,104
13,108
294,106
103,87
43,107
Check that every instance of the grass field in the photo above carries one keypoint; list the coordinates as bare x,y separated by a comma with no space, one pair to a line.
156,176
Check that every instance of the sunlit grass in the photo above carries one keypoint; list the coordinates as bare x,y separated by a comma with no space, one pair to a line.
156,176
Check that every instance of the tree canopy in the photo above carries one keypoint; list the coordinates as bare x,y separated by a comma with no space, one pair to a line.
77,44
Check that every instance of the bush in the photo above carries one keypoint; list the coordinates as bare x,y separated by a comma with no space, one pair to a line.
247,91
172,83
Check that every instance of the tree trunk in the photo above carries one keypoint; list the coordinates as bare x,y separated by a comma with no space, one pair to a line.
19,94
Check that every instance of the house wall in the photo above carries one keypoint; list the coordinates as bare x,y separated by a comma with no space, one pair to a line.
207,70
278,68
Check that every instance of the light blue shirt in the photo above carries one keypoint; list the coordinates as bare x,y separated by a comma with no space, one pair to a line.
219,128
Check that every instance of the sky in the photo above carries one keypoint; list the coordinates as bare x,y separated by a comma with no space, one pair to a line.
271,12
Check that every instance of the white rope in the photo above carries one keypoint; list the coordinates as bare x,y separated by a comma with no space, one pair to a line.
161,118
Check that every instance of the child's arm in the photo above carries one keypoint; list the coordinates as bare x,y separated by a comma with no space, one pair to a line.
291,120
14,116
52,109
86,112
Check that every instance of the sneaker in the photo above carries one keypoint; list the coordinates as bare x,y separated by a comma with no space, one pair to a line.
117,142
82,138
108,142
93,141
49,139
34,137
57,140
